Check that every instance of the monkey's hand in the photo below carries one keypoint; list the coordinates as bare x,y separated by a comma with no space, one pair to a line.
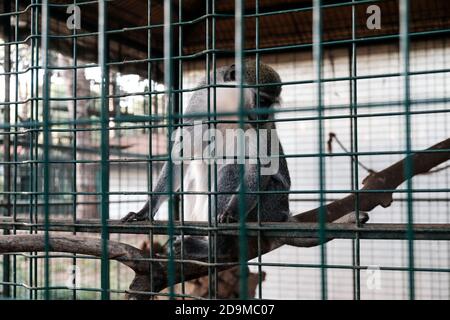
231,211
141,215
135,216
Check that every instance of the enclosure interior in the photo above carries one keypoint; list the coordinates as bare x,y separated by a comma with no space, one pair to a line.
378,95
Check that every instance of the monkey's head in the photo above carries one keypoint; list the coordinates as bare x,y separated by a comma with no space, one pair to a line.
269,81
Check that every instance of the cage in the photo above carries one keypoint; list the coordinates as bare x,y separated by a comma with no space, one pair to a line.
92,92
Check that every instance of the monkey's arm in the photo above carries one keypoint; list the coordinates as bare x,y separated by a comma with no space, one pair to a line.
161,190
159,194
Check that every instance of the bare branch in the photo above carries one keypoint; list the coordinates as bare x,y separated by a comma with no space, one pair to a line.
383,183
124,253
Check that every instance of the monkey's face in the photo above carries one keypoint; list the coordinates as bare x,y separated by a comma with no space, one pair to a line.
262,105
264,96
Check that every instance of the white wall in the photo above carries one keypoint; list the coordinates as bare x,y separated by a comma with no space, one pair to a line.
375,134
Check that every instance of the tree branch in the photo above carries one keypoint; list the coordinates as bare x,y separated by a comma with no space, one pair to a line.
124,253
383,183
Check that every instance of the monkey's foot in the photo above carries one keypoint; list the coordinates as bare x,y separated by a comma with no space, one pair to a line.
135,216
351,218
192,247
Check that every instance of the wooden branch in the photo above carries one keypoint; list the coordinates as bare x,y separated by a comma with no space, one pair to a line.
387,179
385,182
124,253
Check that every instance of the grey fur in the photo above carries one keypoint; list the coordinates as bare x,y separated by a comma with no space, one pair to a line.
273,207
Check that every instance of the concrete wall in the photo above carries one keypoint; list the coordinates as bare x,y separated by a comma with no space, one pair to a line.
375,134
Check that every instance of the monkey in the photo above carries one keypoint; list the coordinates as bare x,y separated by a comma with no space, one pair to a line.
257,115
274,207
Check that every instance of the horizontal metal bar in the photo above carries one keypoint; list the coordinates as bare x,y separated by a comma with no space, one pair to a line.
392,231
38,203
160,118
250,263
180,193
161,158
218,85
204,53
186,22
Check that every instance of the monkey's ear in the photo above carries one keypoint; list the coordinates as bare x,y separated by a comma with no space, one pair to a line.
230,74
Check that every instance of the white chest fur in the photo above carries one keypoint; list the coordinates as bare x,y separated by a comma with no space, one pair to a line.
196,204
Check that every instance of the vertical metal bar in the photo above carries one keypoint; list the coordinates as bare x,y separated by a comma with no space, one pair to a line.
150,132
34,145
317,57
47,141
239,63
74,145
404,50
211,248
16,129
354,150
169,91
6,21
34,184
214,91
179,110
103,50
257,61
176,101
118,134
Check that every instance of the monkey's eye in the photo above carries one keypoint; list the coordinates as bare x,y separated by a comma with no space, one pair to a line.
264,102
230,74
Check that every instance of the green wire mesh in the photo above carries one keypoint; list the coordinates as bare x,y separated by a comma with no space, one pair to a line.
45,154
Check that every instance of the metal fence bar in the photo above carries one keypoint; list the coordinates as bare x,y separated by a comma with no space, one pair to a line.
158,118
15,138
6,22
149,168
212,244
168,82
258,91
317,57
47,141
35,184
239,62
214,235
404,51
32,142
74,149
103,50
354,167
285,229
